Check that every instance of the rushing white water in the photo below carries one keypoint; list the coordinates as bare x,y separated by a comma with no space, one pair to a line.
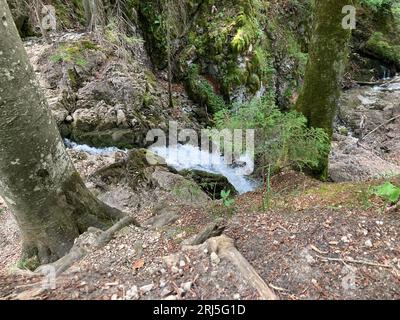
192,158
91,150
395,86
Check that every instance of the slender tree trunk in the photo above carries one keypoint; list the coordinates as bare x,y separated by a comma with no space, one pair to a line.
38,181
169,52
327,56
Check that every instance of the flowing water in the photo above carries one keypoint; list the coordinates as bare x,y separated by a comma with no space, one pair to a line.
190,158
91,150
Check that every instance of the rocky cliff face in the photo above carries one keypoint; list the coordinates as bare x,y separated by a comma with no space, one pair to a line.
101,98
230,51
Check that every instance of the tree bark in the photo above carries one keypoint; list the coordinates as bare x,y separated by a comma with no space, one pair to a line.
38,181
319,97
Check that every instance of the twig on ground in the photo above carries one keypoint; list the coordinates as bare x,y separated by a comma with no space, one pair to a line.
369,263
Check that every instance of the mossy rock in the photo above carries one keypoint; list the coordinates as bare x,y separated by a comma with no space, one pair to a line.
120,138
211,183
380,47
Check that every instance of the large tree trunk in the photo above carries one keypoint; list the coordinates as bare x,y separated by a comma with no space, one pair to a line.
327,56
38,181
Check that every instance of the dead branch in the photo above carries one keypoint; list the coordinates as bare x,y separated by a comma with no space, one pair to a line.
346,260
378,127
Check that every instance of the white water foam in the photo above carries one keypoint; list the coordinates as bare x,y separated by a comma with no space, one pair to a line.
190,157
91,150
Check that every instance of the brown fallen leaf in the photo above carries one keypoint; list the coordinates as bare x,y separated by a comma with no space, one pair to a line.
138,264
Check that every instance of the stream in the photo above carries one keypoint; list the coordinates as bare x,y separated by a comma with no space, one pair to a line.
187,157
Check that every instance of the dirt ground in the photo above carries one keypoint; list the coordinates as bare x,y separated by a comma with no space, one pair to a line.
315,241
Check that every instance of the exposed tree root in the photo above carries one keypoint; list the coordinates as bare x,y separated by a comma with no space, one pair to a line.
225,248
214,229
161,220
90,240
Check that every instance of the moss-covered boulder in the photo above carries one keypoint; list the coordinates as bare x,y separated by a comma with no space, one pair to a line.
375,42
211,183
229,51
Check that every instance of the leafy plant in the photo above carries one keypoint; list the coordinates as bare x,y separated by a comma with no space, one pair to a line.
283,139
226,198
388,191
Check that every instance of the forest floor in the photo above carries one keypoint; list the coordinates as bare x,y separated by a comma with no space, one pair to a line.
315,241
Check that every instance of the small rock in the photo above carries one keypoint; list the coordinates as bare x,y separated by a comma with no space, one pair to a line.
171,298
163,283
166,291
175,269
236,296
215,260
132,293
114,297
121,118
345,239
368,243
147,288
186,286
171,260
69,119
182,263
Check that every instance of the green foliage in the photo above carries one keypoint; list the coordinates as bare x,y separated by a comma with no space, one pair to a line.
377,4
226,198
388,191
282,139
381,46
69,13
73,53
31,263
202,90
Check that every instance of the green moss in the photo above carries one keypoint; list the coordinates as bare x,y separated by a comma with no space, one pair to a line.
69,13
31,263
147,99
379,45
120,138
75,52
202,91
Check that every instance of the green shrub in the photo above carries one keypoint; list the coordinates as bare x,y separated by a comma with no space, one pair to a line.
382,47
282,138
388,191
202,91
